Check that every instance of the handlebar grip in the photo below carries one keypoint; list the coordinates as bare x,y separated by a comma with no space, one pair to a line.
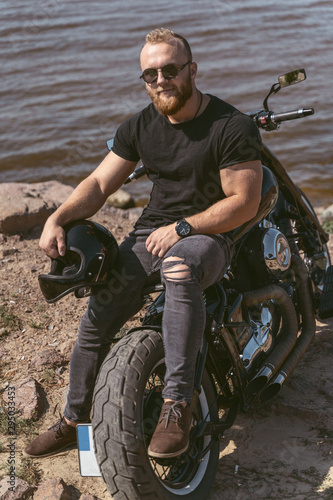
291,115
139,172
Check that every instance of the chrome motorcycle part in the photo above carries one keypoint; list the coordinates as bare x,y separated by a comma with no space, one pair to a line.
285,80
276,251
292,77
287,335
261,340
267,257
318,266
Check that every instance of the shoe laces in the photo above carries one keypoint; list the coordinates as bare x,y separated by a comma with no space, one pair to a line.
172,412
57,426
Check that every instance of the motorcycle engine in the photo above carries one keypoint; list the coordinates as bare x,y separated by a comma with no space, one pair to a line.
261,339
268,254
257,339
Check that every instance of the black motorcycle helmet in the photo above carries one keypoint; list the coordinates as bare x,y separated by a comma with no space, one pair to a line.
91,251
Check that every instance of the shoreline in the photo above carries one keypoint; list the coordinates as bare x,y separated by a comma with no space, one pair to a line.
26,205
139,191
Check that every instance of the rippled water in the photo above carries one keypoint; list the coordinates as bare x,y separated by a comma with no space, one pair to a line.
69,76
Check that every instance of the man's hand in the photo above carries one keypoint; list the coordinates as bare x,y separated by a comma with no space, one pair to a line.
52,240
161,240
85,201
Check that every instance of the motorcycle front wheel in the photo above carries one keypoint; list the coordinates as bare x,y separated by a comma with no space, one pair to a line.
126,407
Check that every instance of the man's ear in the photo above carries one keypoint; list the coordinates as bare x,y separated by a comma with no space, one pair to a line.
194,69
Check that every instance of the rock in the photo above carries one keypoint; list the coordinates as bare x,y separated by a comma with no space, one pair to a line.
121,199
66,348
132,214
327,214
89,497
7,251
53,489
20,489
23,206
60,370
27,398
48,358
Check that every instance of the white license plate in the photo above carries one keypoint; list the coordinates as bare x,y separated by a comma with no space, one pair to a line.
87,458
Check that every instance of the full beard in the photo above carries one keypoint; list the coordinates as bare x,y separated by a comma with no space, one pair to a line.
169,106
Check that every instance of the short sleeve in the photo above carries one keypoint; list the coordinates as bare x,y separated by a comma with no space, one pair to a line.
240,141
124,144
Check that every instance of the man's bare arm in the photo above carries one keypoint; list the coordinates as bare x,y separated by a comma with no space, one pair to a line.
241,184
88,197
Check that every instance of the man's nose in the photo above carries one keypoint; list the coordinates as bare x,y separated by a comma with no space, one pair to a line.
160,77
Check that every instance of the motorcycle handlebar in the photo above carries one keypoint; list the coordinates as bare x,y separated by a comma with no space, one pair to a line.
269,120
291,115
139,172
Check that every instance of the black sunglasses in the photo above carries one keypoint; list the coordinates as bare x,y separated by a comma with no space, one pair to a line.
169,71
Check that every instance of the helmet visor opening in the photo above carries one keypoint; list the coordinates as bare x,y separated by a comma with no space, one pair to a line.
67,265
52,290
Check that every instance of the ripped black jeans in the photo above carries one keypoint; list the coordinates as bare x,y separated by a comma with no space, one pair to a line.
191,265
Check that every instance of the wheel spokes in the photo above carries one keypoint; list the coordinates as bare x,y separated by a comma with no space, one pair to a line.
176,471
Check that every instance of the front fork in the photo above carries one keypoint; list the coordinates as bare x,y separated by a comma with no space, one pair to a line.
205,428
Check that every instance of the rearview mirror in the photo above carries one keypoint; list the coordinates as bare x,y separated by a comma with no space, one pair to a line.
296,76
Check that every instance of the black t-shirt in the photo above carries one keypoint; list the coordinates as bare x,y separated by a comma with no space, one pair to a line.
183,160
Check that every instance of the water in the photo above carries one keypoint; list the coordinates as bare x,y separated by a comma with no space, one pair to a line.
70,68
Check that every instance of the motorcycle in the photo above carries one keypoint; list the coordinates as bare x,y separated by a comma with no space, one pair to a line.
260,322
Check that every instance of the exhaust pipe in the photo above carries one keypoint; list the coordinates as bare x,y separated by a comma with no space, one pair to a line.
306,336
274,387
260,380
287,336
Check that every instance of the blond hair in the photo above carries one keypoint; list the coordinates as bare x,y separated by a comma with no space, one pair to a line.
159,35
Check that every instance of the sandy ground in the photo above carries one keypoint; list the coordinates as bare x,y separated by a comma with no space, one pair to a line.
278,450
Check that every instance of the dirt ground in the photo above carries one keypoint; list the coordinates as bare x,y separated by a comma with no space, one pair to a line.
279,450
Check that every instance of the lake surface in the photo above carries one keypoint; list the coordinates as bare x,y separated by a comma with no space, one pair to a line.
69,77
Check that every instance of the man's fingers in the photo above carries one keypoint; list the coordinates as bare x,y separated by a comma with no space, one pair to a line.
52,242
52,252
61,246
161,240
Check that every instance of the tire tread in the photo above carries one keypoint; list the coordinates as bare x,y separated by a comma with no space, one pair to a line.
115,420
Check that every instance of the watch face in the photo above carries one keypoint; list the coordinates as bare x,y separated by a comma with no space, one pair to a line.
183,228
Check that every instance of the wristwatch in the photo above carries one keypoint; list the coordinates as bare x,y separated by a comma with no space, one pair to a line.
183,228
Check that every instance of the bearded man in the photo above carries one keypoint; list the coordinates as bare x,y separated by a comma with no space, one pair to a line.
203,158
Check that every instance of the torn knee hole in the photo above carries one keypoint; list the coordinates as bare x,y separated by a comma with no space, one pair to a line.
174,269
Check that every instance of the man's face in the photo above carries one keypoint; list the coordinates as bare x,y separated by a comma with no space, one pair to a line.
168,96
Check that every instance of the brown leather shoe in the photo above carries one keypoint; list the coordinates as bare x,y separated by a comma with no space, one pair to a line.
57,438
171,436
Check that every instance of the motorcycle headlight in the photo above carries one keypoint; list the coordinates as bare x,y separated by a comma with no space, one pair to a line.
276,251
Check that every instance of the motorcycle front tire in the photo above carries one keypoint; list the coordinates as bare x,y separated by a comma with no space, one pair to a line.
126,407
